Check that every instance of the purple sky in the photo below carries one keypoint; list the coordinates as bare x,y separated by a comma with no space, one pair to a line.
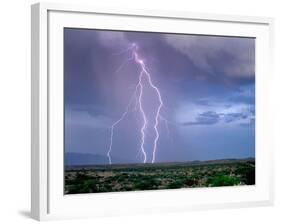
207,85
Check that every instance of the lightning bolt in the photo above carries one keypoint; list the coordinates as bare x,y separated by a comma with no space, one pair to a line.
112,129
138,96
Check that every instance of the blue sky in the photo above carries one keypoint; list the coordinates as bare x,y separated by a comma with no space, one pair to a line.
207,84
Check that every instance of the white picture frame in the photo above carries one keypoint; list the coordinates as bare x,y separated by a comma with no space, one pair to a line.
47,198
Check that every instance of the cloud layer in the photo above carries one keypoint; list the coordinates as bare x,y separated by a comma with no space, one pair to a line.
209,53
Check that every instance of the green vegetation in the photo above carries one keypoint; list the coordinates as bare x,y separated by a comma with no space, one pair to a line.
224,180
159,176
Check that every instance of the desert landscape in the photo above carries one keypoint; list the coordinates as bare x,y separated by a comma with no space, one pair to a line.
135,177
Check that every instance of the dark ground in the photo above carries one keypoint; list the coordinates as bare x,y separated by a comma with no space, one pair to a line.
134,177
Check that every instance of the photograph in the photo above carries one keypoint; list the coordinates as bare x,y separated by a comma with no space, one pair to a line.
157,111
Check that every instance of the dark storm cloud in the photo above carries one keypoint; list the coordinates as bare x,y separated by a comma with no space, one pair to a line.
227,59
79,57
214,117
87,54
206,118
230,117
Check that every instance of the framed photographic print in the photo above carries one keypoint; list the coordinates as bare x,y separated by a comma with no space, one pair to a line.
145,111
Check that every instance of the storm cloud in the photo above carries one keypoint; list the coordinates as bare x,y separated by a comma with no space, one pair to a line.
207,84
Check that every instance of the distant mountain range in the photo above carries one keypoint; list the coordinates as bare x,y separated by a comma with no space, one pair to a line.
84,159
87,159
